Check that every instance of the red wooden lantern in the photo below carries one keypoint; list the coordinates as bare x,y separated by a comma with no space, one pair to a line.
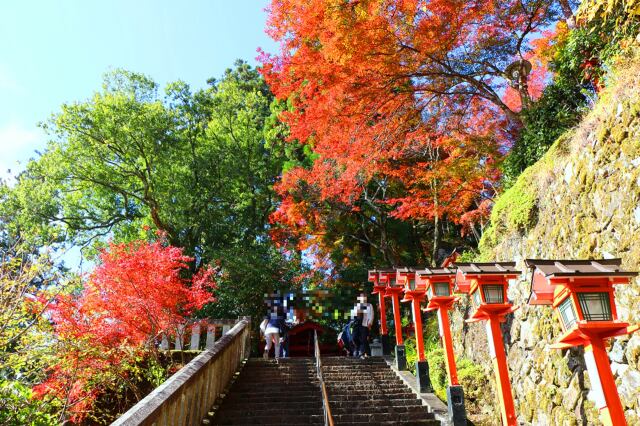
379,289
581,292
487,285
439,284
406,279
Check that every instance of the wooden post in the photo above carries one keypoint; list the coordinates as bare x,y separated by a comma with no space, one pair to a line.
397,319
447,343
496,350
383,314
417,323
603,384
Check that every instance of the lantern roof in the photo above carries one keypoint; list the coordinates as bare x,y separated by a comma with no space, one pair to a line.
579,268
436,271
489,268
384,270
548,274
406,269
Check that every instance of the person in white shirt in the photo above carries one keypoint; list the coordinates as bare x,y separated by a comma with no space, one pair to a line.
363,313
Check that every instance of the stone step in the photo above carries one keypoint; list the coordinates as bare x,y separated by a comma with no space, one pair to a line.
404,411
277,379
342,395
366,390
251,411
275,387
428,422
365,381
287,393
241,404
247,399
380,417
357,399
271,420
281,396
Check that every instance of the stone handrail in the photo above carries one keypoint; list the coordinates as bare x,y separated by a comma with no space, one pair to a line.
186,397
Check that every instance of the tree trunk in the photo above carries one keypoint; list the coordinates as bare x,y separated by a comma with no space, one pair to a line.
568,13
436,231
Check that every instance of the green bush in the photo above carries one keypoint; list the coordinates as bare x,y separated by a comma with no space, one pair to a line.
554,113
18,407
477,385
438,373
581,63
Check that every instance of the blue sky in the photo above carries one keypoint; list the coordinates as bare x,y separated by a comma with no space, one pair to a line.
56,52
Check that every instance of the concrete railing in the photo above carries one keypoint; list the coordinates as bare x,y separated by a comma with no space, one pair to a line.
186,397
211,327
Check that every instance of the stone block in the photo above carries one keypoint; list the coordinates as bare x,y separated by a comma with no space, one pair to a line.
629,389
632,352
616,354
572,393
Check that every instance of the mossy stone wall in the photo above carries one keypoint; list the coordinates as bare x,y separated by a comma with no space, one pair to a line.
581,200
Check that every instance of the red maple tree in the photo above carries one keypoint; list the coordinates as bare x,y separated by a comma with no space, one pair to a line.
406,104
132,297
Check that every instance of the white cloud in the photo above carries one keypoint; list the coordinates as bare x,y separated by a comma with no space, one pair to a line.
17,145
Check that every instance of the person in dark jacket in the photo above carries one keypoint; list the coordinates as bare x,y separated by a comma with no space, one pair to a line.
363,313
345,338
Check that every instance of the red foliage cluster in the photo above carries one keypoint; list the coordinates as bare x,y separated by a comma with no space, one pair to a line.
410,93
134,295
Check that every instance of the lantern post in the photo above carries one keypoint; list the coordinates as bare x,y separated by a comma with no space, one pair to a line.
581,292
406,278
379,289
392,291
438,284
487,285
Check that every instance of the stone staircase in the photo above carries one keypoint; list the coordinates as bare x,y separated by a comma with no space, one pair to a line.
369,392
270,393
288,393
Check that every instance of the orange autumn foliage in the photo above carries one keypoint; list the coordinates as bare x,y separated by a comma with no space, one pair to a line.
402,103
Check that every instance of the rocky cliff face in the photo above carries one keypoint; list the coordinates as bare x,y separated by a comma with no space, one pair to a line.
582,200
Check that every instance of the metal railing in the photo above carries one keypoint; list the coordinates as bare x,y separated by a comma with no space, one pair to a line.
328,419
186,397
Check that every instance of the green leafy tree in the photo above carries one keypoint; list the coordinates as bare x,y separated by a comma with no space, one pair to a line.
132,160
